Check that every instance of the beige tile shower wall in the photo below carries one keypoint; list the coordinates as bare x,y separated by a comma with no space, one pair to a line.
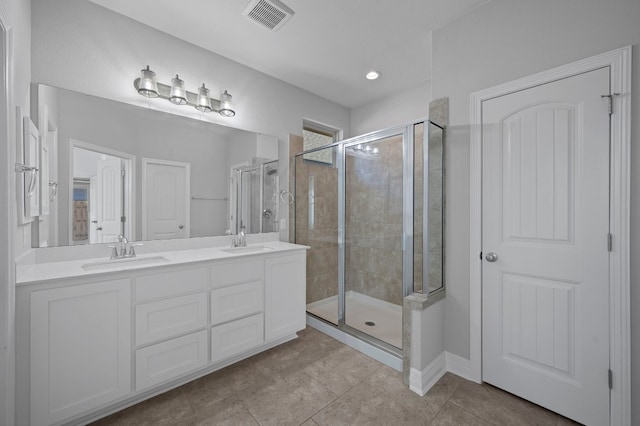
373,222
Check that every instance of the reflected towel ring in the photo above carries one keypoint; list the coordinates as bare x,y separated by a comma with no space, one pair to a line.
289,199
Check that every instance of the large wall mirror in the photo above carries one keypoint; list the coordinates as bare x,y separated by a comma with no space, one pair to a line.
114,168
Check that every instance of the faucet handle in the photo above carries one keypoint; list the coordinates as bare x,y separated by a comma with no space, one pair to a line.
114,252
132,250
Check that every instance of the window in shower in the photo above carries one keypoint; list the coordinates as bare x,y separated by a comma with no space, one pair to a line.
315,135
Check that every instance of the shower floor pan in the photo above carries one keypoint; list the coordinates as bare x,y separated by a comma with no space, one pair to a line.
377,318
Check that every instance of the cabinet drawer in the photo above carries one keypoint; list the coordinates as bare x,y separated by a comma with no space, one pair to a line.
170,359
237,336
172,283
167,318
223,274
236,301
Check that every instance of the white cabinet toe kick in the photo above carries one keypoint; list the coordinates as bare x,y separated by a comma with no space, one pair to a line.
91,346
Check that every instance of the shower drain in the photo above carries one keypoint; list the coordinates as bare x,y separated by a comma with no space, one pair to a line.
370,323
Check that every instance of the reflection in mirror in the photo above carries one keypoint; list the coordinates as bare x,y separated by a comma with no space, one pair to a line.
255,191
101,195
104,162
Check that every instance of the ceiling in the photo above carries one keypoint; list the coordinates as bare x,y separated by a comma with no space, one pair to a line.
327,46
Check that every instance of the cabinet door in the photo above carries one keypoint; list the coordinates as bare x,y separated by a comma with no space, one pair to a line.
80,348
285,293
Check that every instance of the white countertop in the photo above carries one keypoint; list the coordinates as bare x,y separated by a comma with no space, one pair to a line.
41,272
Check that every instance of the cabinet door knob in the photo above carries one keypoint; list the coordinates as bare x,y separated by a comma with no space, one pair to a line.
180,226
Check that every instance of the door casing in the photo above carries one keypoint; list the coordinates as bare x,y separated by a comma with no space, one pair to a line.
619,62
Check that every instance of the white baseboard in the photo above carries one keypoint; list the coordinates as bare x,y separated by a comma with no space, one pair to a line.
459,366
421,381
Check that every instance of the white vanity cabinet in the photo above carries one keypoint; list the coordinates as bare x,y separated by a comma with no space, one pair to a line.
80,348
285,297
89,344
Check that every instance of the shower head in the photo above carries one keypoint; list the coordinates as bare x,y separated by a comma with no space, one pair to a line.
271,171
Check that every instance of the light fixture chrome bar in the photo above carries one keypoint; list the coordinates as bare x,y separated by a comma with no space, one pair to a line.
164,92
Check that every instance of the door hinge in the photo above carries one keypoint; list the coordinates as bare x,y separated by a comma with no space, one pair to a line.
609,242
122,172
610,101
123,219
480,255
610,376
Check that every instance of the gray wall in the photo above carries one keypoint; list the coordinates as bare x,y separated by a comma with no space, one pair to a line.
396,109
501,41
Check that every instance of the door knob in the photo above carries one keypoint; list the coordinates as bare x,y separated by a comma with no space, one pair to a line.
491,257
181,226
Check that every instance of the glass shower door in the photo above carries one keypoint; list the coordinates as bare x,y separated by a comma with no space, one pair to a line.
374,197
316,225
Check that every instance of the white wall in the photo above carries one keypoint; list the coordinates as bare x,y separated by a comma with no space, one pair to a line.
16,19
399,108
501,41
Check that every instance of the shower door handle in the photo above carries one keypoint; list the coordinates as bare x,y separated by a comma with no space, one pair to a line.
491,257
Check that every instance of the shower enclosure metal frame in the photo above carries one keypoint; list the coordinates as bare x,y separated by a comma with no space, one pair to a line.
407,241
237,191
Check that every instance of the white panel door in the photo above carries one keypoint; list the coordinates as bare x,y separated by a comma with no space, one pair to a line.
166,200
109,200
545,213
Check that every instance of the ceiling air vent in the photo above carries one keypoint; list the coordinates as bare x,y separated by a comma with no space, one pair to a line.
270,14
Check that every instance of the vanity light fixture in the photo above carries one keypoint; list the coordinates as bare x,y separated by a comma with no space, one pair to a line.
147,86
178,94
204,102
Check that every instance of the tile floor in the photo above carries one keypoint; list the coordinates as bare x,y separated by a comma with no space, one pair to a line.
315,380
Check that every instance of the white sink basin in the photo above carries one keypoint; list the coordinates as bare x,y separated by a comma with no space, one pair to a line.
248,249
115,263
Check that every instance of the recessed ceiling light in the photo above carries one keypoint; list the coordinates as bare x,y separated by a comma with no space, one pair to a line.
372,75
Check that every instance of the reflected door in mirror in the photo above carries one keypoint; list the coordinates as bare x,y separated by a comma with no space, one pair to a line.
166,199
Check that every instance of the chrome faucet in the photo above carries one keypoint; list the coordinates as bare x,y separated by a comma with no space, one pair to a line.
239,240
124,241
242,239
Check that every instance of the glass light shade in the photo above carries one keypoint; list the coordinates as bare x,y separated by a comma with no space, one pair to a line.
148,86
367,148
203,103
226,108
376,150
178,94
